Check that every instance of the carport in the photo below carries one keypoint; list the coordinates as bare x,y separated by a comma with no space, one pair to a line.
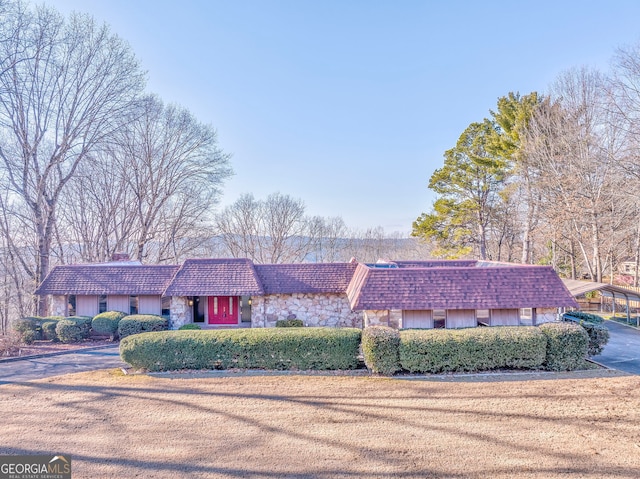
580,288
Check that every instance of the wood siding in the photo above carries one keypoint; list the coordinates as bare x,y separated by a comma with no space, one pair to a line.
417,319
461,318
505,317
118,303
149,305
86,305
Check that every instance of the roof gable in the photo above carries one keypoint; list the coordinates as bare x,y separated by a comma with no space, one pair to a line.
215,277
504,287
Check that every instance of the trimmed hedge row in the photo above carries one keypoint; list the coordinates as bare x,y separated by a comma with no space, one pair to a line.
141,323
592,324
472,349
567,345
269,348
581,315
380,348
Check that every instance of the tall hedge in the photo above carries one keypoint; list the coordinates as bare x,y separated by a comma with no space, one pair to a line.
269,348
472,349
381,349
567,346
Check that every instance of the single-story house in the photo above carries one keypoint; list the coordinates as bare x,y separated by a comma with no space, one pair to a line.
226,292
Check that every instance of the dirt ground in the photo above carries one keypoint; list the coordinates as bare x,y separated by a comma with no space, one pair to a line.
327,427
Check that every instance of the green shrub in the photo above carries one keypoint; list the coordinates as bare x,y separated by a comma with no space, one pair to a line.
49,330
107,323
381,349
29,336
289,323
567,346
268,348
580,315
83,322
73,329
472,349
189,326
29,329
141,323
69,331
592,324
598,337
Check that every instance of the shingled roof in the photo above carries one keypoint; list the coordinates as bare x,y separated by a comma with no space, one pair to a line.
504,287
215,277
305,278
108,278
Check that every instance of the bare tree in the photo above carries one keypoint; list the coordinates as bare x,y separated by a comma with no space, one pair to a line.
274,230
65,86
156,184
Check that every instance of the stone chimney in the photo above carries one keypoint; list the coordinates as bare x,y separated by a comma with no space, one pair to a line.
120,256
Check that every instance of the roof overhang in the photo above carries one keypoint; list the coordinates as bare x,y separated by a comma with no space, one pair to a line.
579,288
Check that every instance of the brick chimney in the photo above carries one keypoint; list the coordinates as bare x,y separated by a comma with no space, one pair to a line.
120,256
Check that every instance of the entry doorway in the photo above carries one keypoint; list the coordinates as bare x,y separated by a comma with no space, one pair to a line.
223,310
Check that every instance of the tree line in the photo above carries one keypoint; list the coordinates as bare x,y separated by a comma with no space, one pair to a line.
548,178
92,164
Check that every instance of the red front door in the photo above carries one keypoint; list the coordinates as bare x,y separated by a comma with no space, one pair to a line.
223,310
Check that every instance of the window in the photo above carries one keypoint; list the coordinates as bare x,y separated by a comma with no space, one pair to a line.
526,316
71,305
199,305
439,318
102,303
215,306
483,316
166,306
245,309
133,305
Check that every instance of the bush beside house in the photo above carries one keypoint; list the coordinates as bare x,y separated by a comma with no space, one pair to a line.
472,349
381,349
141,323
107,323
592,324
34,328
567,346
73,329
288,348
289,323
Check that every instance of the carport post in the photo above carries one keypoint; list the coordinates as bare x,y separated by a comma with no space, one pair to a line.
628,315
613,303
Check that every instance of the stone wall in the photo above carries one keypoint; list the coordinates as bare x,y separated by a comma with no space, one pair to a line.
383,317
320,309
181,313
58,305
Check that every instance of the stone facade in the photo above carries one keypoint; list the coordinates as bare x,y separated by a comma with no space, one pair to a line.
181,313
317,309
58,305
384,317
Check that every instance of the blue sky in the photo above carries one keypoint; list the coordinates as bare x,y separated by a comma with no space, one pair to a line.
350,105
